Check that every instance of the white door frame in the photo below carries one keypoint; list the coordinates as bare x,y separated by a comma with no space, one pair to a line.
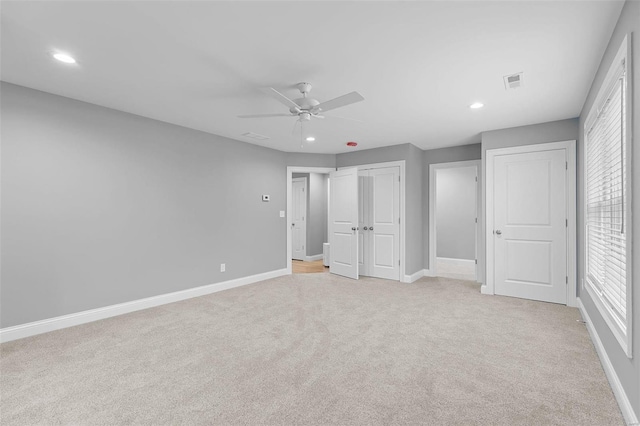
401,164
290,171
570,147
432,213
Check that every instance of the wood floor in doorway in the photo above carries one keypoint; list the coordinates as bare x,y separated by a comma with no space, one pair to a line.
302,267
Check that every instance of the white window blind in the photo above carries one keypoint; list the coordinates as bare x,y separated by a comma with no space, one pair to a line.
606,189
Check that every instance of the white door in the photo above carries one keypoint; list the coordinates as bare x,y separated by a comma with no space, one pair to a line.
384,223
530,225
343,222
363,220
379,222
299,218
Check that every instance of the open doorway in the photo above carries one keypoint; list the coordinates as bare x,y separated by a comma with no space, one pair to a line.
454,224
307,219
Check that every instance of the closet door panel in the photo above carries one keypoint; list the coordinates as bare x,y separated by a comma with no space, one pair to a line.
385,219
363,221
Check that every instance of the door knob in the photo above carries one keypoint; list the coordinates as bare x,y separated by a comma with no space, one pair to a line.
293,224
371,228
366,229
498,232
353,228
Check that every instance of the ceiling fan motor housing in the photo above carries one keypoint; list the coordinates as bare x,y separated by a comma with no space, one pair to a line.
305,104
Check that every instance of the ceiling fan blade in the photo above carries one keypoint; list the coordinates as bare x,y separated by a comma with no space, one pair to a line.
344,100
318,116
265,115
281,98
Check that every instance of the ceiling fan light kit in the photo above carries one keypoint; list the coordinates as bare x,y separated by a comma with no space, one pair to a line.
305,107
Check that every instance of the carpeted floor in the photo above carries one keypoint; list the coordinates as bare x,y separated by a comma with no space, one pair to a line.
316,349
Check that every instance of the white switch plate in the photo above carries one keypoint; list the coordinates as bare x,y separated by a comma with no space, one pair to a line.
223,267
281,213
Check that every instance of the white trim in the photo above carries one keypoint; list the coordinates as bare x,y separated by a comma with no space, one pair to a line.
623,400
403,219
417,275
624,53
413,277
572,239
313,258
290,171
38,327
458,265
432,211
455,260
429,273
570,155
625,339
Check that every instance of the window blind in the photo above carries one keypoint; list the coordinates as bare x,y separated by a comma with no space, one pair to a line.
606,186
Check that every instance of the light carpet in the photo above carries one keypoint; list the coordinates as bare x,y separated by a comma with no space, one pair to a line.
316,349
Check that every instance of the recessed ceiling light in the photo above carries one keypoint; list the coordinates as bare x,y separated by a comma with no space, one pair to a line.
476,105
64,58
311,139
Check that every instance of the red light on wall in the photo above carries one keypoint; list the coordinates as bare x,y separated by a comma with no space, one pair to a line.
352,143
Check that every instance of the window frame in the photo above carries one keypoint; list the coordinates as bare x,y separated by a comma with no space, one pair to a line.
622,332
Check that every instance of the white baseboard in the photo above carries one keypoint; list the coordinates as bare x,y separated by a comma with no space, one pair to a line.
453,261
429,273
413,277
38,327
623,401
462,269
417,275
484,289
313,258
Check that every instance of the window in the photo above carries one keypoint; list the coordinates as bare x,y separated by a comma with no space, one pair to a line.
607,196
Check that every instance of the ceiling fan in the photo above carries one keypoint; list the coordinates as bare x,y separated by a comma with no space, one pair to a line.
305,108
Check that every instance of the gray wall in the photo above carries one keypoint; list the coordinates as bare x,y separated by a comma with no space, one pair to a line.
553,131
628,370
101,207
437,156
413,192
456,213
317,216
310,160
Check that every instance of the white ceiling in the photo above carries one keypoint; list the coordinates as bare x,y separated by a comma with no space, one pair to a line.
417,64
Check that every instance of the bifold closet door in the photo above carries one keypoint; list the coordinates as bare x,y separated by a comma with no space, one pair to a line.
379,222
364,237
343,222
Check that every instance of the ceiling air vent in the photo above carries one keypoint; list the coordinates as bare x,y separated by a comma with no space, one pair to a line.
256,136
512,81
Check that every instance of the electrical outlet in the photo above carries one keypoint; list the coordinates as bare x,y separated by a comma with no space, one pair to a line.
281,213
223,267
